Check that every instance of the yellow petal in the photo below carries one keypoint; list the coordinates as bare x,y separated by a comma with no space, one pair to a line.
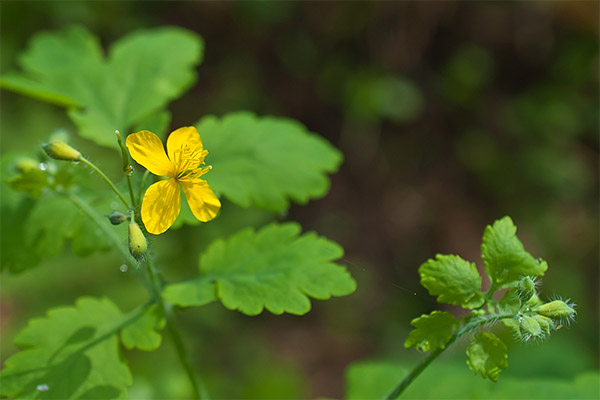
202,200
161,206
147,149
188,137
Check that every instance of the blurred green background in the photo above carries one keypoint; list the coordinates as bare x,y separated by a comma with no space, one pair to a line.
449,114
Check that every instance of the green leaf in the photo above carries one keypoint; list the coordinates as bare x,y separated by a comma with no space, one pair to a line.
505,259
143,73
432,331
487,355
72,353
273,268
144,333
453,280
266,162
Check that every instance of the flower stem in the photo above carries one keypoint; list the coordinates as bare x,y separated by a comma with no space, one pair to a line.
106,179
466,328
199,389
127,167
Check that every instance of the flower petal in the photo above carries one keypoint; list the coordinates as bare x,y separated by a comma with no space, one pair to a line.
202,200
188,135
147,149
161,206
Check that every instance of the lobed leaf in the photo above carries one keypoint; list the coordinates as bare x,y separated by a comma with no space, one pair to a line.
78,342
505,259
144,333
454,280
129,87
267,161
432,331
487,355
273,268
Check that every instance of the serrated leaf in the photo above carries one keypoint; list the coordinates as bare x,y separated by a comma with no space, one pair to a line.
79,343
144,333
144,71
487,355
267,161
505,259
273,268
454,280
433,331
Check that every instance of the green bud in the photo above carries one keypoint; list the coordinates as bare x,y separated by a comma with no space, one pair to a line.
117,217
61,151
526,288
26,164
545,323
530,326
555,309
137,241
534,301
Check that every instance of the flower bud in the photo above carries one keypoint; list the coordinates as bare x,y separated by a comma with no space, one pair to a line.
26,164
555,309
61,151
526,288
137,241
545,323
530,327
117,217
534,301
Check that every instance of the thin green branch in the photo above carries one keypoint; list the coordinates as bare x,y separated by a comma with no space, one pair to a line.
127,167
199,389
141,191
106,179
466,328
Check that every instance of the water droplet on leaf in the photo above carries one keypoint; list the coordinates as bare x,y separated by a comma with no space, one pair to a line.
43,387
123,268
43,166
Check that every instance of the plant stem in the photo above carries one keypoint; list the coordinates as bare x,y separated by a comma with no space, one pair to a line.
127,168
141,191
466,328
199,389
106,179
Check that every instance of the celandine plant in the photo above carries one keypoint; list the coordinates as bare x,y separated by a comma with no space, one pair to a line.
75,351
512,271
262,162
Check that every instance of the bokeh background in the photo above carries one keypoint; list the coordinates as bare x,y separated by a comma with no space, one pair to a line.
449,114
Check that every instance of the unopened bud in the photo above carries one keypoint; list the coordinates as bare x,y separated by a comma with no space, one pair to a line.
530,327
555,309
26,164
526,288
117,217
61,151
137,241
545,323
534,301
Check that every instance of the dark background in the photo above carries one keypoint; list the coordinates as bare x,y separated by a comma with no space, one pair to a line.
449,114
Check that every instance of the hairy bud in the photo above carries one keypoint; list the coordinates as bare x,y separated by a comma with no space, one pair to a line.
137,241
61,151
555,309
117,217
530,327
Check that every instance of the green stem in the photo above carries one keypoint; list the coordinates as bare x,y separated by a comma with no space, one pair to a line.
199,389
466,328
141,191
106,179
127,167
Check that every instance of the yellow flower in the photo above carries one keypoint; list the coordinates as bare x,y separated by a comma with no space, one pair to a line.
183,167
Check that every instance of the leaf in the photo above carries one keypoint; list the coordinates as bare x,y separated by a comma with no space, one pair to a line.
487,355
144,333
454,280
372,380
505,259
143,73
433,331
266,162
78,343
273,268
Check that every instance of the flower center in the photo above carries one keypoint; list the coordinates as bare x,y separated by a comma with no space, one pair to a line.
188,159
